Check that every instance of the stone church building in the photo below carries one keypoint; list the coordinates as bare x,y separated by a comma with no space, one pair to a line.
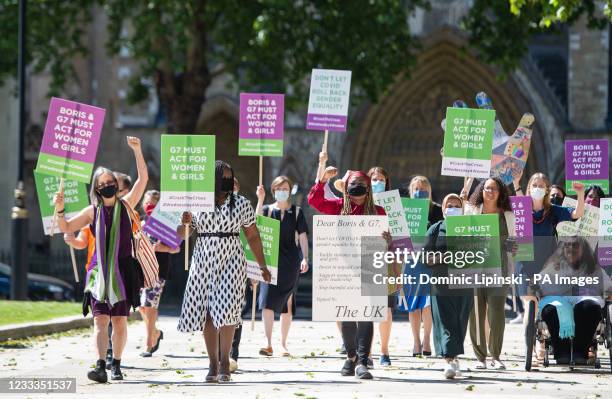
564,81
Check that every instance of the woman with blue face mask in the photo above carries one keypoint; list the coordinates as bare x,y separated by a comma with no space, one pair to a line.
545,217
420,187
280,298
450,306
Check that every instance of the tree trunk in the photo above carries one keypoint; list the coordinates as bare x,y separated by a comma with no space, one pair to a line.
183,95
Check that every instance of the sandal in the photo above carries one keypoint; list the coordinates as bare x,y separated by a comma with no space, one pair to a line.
224,378
481,365
266,351
539,356
211,378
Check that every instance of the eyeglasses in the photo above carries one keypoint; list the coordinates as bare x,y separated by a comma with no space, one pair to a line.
491,189
107,184
571,245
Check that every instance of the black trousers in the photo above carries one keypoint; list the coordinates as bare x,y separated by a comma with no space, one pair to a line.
587,315
357,337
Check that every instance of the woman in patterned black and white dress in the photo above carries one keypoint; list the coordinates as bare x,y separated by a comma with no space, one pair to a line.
214,294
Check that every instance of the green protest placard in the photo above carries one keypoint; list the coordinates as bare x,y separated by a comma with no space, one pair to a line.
269,231
416,212
468,142
465,235
187,173
75,198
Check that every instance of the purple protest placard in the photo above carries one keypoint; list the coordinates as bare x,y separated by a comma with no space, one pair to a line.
522,208
162,226
70,141
262,124
587,161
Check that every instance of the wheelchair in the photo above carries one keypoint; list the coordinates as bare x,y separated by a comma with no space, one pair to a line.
537,331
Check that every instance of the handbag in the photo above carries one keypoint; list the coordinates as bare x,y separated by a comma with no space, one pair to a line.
143,250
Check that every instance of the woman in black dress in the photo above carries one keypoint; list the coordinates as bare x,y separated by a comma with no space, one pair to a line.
280,298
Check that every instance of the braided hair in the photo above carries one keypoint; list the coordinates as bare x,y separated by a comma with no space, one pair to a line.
220,167
368,206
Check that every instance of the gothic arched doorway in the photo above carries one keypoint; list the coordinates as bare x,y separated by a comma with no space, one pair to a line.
402,132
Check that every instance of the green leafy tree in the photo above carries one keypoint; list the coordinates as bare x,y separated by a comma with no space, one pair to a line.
181,45
500,29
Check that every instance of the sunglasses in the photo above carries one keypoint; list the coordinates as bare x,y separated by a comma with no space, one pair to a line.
107,184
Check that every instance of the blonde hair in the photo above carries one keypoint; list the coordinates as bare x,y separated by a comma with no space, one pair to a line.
449,197
542,176
279,181
419,179
151,195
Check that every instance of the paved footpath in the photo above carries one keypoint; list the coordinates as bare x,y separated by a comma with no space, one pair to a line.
179,367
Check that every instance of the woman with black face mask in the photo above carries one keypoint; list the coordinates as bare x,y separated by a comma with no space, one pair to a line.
357,199
557,195
217,278
111,285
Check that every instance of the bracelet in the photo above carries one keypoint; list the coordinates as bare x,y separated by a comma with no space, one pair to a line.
60,212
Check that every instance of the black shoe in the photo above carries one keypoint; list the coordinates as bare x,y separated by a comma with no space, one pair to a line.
362,373
156,347
99,373
116,373
349,368
109,358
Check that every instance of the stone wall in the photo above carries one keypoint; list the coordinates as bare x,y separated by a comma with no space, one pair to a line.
588,76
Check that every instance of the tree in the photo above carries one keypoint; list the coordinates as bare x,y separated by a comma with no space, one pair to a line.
500,29
181,45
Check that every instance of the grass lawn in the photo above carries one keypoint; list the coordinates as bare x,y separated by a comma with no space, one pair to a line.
12,312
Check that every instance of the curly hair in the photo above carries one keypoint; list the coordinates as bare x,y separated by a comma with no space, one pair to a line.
503,201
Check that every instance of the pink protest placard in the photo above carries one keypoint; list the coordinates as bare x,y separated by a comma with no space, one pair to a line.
70,141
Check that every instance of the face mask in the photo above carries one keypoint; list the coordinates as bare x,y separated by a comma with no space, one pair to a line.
281,196
356,190
420,194
108,191
538,193
453,211
225,185
378,186
556,200
148,208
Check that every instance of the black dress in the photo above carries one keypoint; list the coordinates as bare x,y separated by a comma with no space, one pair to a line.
275,297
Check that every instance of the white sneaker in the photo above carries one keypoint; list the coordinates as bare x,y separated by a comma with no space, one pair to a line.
456,367
481,366
233,366
497,365
517,320
449,371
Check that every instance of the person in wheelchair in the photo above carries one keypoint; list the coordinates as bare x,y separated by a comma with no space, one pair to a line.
573,288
